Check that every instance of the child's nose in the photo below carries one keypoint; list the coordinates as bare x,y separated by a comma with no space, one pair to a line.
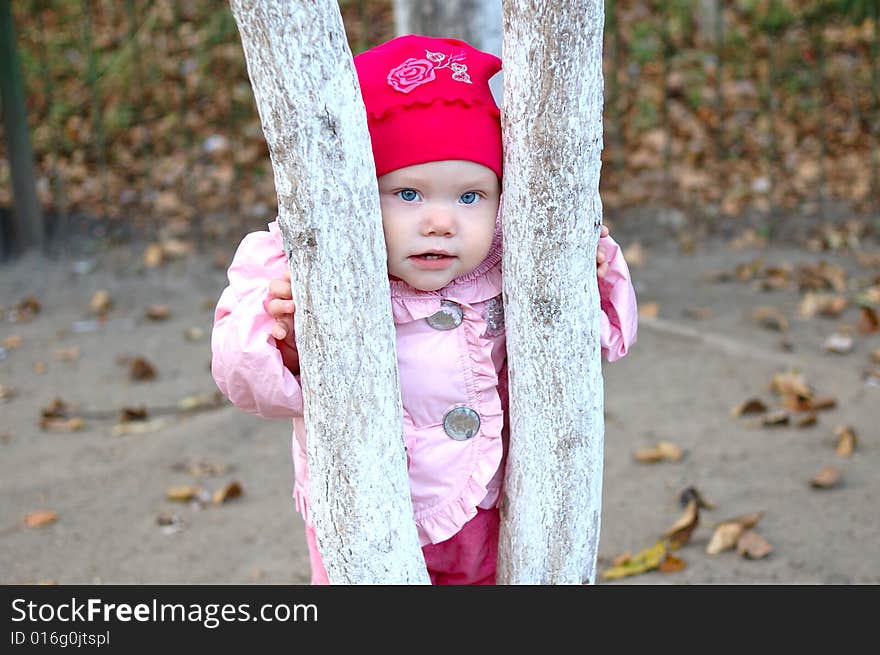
438,221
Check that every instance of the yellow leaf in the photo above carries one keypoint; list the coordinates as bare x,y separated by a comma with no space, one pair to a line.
181,493
647,560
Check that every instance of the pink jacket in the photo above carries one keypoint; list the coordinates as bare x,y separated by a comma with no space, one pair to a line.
459,363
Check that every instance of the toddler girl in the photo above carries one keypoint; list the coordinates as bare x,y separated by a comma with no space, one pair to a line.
436,141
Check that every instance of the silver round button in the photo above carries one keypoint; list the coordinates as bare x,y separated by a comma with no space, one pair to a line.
461,423
448,317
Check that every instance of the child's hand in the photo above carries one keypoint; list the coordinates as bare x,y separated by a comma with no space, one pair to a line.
281,308
601,258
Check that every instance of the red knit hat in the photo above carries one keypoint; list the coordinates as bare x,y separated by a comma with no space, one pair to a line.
428,100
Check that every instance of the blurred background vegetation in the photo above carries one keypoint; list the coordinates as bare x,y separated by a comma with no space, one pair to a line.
143,125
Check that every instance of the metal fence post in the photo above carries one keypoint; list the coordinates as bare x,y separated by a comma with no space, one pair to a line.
27,219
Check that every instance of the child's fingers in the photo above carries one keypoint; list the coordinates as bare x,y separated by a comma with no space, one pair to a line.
282,328
603,232
278,331
281,289
278,308
602,270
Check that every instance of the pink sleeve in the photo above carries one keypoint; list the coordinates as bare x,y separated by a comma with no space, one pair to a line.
246,363
619,316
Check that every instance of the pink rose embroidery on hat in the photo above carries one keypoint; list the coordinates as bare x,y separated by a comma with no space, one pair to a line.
414,72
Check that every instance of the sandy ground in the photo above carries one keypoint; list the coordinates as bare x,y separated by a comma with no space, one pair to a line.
679,383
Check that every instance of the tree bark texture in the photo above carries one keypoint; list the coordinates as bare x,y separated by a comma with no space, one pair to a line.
476,21
314,121
552,128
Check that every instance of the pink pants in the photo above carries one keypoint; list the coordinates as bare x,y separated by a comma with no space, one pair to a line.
467,558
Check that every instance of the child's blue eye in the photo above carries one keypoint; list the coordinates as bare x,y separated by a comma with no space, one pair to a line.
469,198
408,195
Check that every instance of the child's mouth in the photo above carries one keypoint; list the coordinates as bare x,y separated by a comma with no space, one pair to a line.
432,260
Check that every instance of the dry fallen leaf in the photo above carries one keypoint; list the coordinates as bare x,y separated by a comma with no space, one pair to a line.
66,354
728,532
29,305
58,409
7,393
749,406
227,492
823,402
128,414
157,312
40,368
201,468
779,417
868,321
40,517
12,342
71,424
770,318
208,400
671,564
141,369
194,334
138,427
828,477
664,450
751,545
153,255
822,304
796,402
875,355
680,532
646,560
648,310
724,537
101,302
692,493
791,381
182,494
621,559
174,248
807,420
846,440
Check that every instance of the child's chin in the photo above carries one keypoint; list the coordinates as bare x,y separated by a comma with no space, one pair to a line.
425,285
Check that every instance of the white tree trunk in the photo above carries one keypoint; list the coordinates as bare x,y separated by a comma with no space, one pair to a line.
314,121
476,21
552,127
